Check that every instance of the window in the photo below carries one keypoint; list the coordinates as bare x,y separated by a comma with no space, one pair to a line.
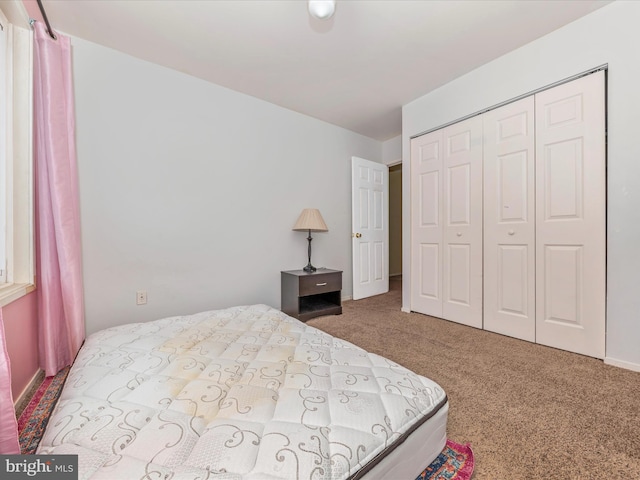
16,164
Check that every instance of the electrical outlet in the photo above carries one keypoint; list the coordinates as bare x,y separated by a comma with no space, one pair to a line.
141,297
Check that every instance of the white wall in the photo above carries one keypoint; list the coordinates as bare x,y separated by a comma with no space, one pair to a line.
608,36
392,150
189,190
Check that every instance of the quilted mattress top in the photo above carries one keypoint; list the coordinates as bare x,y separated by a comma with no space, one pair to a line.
241,393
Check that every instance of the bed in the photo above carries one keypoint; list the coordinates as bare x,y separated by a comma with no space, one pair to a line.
242,393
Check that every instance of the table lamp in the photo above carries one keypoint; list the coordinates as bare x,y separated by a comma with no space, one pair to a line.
310,220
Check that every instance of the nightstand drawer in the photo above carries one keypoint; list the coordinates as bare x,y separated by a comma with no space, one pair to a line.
320,283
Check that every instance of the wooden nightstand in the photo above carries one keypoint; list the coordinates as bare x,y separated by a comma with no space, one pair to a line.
307,295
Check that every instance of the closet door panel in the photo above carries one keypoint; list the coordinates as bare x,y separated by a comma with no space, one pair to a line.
513,294
509,220
459,274
426,224
462,232
430,279
571,222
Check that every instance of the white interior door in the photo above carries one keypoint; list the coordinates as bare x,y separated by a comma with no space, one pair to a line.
370,227
462,229
570,214
509,220
426,224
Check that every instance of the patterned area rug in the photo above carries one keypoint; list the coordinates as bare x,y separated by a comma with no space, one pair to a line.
455,462
35,416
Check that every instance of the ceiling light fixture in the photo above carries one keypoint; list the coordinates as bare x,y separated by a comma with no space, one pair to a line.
322,9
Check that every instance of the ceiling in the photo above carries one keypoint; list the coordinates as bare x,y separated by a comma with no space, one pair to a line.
355,70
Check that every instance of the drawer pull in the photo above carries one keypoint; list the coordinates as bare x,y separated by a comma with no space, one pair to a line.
321,284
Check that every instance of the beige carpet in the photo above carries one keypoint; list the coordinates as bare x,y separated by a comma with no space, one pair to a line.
529,411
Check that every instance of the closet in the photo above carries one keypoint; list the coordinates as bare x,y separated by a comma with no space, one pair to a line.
508,225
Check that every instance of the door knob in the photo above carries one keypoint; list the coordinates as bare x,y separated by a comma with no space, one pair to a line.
511,232
357,235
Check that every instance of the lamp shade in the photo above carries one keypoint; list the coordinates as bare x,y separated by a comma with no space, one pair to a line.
310,219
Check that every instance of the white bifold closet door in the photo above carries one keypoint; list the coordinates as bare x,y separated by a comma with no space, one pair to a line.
571,216
544,217
426,224
446,174
509,220
542,205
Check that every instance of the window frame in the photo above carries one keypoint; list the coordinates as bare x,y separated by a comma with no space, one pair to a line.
4,174
18,168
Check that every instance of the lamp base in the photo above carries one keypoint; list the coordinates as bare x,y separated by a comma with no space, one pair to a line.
309,268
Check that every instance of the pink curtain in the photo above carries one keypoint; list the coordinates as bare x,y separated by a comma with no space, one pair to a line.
59,260
8,425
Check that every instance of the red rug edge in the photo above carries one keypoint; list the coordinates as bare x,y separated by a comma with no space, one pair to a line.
467,470
33,403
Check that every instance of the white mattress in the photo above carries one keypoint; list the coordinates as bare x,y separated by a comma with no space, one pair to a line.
242,393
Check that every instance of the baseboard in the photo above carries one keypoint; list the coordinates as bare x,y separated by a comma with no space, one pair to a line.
405,310
28,391
622,364
346,297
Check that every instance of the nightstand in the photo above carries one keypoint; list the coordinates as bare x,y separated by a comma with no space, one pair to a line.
307,295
